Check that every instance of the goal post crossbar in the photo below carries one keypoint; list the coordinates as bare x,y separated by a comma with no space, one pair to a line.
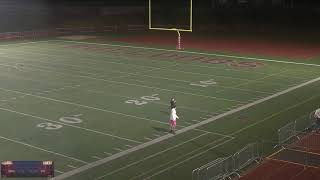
172,29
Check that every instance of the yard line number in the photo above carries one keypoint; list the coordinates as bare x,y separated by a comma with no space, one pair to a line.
68,120
143,100
204,84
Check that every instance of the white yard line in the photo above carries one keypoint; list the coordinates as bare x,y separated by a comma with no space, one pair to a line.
148,67
156,77
89,107
192,52
154,102
160,139
131,84
41,149
84,106
69,125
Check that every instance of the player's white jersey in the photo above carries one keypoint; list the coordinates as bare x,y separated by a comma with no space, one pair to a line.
173,114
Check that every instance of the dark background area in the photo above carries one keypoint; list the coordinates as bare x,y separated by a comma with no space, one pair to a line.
296,16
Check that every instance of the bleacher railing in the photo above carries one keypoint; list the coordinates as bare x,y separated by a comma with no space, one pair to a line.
225,167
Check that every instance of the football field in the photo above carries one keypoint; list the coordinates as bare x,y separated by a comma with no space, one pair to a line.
101,111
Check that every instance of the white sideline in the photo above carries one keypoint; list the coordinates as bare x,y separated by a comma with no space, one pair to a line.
142,146
177,164
192,52
234,133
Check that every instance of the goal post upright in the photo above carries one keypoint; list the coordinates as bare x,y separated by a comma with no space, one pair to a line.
178,30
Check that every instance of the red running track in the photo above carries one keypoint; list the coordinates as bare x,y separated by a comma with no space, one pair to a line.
278,170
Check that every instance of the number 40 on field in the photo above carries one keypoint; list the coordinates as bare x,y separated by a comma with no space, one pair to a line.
204,83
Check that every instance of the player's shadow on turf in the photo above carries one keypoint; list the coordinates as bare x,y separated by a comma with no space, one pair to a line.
160,129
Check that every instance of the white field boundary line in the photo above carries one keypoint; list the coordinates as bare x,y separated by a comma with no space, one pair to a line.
151,156
157,140
192,52
44,150
113,62
131,84
58,49
97,163
69,125
236,132
180,162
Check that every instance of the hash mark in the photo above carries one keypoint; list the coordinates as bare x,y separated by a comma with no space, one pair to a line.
95,157
149,139
71,166
118,149
109,154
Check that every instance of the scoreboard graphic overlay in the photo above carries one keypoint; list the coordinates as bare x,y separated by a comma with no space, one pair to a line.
25,169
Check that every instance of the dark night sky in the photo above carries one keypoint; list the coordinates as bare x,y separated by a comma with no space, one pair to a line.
35,14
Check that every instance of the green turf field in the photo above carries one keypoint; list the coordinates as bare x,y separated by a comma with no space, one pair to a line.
100,111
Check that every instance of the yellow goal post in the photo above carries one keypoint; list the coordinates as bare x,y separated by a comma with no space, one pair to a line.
178,30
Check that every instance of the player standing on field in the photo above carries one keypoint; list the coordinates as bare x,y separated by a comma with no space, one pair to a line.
173,119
